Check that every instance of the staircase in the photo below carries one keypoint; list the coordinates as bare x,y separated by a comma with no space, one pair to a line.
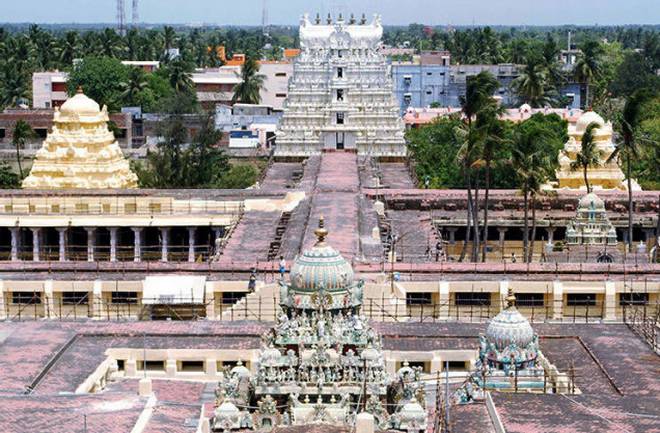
280,229
262,305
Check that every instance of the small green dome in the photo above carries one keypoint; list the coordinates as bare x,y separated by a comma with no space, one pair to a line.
321,267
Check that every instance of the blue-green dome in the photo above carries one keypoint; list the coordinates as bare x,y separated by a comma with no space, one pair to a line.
321,267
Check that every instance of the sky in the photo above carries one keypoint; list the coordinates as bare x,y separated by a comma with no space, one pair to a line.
394,12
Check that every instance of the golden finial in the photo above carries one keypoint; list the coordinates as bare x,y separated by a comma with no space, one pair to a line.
321,232
79,90
510,299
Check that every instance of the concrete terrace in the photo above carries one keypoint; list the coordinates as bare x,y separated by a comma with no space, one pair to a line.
43,363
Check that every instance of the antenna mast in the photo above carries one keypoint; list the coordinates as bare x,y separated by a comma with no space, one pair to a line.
264,18
136,13
121,17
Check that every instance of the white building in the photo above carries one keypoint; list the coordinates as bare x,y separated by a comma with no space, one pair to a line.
49,89
276,83
341,94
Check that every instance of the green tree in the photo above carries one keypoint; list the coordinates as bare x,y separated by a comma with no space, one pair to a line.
478,107
588,66
239,176
22,133
133,86
532,86
627,151
248,91
101,79
69,48
589,155
8,179
533,161
179,73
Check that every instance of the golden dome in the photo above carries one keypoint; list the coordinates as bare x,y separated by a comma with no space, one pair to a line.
588,118
81,105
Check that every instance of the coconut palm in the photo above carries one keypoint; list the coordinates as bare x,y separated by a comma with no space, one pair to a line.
532,86
478,107
134,85
588,66
248,91
22,133
15,88
69,47
589,154
627,150
532,164
179,76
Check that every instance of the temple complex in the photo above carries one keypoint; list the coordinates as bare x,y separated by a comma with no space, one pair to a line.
341,95
606,175
80,152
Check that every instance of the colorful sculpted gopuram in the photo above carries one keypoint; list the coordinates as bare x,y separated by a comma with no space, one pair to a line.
320,359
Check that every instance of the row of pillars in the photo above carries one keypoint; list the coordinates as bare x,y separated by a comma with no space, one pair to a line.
91,243
649,234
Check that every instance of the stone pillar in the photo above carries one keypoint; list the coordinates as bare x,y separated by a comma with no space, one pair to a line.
443,300
3,309
113,243
209,298
97,300
62,243
211,367
551,234
170,367
48,301
502,231
36,244
624,232
610,301
15,243
504,291
137,244
165,240
130,368
452,235
557,300
191,243
91,243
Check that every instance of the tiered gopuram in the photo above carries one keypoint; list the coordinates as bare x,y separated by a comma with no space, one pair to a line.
80,152
322,362
341,95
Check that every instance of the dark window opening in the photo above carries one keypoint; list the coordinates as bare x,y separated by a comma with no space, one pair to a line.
121,365
232,297
192,366
24,298
633,299
151,365
418,298
340,118
529,299
581,299
3,134
340,53
340,72
340,94
280,74
74,298
280,95
455,365
124,297
419,364
472,298
41,132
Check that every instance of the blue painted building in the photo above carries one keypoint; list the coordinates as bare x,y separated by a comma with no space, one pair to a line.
424,83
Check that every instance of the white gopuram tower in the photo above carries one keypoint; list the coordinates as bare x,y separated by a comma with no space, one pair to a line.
341,94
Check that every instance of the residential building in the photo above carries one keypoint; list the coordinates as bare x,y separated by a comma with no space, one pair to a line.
276,82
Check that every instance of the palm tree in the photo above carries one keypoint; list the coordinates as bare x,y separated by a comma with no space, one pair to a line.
532,84
587,68
589,154
69,48
111,43
627,150
533,165
179,76
136,83
249,89
478,106
16,87
22,133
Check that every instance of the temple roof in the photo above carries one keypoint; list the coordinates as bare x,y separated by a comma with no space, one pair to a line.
321,267
510,327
